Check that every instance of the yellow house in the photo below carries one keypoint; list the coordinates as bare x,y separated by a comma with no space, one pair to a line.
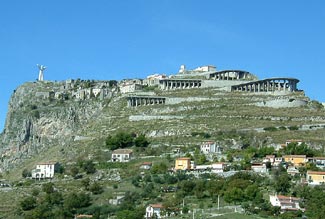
315,177
296,160
183,163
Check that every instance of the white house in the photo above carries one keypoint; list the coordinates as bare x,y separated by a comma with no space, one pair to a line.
122,155
275,161
286,203
297,141
45,170
214,168
205,68
117,198
259,168
130,87
154,211
146,165
152,80
210,147
292,170
319,161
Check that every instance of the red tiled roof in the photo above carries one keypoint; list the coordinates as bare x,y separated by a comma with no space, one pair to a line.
282,197
300,156
156,205
84,216
316,172
122,151
146,163
47,163
184,158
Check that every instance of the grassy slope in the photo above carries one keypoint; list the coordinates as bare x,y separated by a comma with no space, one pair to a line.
230,111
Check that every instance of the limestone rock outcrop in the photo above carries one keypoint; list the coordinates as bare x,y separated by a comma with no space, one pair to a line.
38,118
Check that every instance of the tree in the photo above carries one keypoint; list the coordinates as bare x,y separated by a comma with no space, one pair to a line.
120,140
96,188
74,171
48,188
28,203
73,201
85,183
141,141
26,173
187,186
282,183
159,168
89,167
200,187
234,195
54,198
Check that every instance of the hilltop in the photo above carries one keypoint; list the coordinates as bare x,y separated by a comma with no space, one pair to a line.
44,113
70,120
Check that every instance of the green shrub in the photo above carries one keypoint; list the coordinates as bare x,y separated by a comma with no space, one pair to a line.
271,129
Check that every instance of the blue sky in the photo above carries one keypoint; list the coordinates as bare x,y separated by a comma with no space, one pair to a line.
119,39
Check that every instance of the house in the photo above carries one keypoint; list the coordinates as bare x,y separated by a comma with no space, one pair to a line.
269,158
183,163
130,87
315,177
259,168
318,161
45,170
146,165
275,161
297,141
213,168
122,155
96,91
205,68
296,160
154,211
83,216
117,199
292,170
152,80
210,147
286,203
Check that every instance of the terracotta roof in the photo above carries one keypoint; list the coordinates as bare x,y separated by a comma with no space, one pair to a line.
146,163
294,140
282,197
156,205
318,158
183,158
208,142
316,172
47,163
84,216
300,156
122,151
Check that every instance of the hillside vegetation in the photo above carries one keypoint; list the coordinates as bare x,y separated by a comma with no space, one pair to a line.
74,133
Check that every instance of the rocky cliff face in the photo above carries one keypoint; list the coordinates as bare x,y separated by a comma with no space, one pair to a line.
42,114
46,114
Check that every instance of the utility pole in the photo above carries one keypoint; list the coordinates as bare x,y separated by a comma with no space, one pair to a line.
218,202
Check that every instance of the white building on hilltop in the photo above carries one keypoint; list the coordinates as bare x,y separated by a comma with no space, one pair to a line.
45,170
